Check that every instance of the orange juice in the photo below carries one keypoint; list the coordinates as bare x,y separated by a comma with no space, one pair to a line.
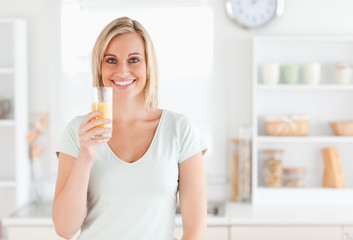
107,108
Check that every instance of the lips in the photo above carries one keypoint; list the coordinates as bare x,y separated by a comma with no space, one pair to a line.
123,84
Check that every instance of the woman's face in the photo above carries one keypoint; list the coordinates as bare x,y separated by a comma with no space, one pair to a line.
124,66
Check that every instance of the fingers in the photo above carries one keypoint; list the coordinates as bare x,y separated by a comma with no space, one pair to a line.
86,140
94,123
87,135
99,140
99,131
91,115
87,130
89,122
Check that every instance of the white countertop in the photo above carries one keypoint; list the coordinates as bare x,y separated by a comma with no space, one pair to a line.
235,214
40,215
246,214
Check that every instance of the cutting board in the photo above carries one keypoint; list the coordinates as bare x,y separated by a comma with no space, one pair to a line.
234,163
333,177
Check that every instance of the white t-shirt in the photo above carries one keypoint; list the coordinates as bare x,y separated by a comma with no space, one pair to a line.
130,201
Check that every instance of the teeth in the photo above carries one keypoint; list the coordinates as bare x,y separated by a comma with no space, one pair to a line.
123,83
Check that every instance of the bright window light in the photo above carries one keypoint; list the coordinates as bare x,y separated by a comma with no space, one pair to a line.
183,38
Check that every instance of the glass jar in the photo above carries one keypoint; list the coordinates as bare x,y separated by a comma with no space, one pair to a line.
244,164
272,168
294,177
234,169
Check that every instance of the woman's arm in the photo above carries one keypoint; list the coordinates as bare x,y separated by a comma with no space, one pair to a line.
192,197
69,206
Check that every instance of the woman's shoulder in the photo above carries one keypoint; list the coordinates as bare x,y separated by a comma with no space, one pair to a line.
177,118
174,115
75,121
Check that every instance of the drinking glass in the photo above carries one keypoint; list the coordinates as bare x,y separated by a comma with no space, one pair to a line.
102,99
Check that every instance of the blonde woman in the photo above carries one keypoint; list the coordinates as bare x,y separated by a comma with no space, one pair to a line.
125,187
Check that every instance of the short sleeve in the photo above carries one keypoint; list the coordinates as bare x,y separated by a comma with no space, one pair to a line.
69,143
190,140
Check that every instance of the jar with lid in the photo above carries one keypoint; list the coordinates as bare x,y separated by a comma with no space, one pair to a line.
272,168
294,177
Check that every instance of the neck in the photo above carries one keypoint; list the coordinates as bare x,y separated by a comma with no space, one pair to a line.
127,110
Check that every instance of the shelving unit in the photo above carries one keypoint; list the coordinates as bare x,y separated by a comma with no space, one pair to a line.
14,161
7,70
307,196
283,87
7,123
309,139
10,184
323,103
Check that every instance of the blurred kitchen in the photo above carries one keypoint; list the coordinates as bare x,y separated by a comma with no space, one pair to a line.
271,95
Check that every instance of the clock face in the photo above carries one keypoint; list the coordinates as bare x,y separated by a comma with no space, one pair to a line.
254,13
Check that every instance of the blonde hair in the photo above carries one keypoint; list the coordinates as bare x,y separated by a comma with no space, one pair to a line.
121,26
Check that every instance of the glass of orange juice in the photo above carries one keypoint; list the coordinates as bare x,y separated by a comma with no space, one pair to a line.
102,99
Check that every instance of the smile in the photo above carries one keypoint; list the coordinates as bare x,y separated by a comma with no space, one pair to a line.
123,83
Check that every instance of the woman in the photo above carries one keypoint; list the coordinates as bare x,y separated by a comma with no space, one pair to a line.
126,187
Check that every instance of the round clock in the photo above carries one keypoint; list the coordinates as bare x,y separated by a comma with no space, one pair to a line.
254,13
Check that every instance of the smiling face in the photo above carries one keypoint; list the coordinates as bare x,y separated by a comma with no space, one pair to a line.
124,66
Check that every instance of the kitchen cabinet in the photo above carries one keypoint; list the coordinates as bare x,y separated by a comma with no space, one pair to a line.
347,229
34,233
288,233
14,159
212,233
48,233
325,102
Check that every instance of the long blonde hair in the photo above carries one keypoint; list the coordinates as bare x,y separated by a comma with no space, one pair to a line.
121,26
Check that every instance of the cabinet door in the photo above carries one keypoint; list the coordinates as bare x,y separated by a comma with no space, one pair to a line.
219,233
34,233
212,233
287,233
348,230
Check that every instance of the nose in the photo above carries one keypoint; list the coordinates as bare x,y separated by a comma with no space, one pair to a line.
122,69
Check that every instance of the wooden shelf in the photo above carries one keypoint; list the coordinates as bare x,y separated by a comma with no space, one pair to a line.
322,87
308,139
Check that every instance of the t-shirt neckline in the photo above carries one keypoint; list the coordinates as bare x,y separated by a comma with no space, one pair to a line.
149,148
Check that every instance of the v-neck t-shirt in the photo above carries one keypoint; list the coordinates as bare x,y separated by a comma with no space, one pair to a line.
137,200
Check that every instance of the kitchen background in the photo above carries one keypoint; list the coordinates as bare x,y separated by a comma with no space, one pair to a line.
206,62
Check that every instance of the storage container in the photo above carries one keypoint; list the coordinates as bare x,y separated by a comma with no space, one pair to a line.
287,125
342,128
294,177
272,168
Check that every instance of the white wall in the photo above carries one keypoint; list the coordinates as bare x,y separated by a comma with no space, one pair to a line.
232,58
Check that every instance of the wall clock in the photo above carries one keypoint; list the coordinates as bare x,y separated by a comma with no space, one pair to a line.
254,13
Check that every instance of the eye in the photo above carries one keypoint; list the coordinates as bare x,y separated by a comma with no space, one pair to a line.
111,60
133,60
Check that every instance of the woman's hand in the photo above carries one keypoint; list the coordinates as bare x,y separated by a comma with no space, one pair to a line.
87,130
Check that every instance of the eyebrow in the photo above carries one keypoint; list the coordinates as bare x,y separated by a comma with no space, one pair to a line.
134,53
